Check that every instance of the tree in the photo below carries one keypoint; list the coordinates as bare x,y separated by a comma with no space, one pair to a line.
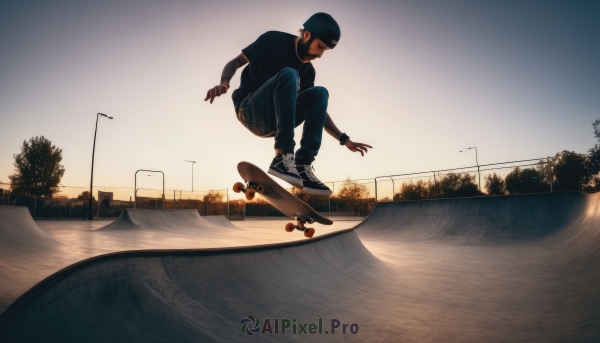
213,197
572,171
413,191
37,168
593,161
593,185
594,153
454,185
352,194
521,181
494,185
313,200
85,195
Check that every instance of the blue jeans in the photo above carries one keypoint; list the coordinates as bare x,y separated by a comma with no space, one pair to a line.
276,108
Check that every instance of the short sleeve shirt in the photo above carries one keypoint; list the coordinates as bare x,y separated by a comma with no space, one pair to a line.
270,53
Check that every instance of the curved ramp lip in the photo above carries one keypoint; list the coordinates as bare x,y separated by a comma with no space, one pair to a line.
509,220
386,203
56,277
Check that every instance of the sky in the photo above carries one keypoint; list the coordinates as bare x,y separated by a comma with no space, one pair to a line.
418,80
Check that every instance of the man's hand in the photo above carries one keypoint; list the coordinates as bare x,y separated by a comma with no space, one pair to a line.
357,147
217,91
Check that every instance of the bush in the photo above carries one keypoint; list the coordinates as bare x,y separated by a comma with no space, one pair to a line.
454,185
521,181
494,185
413,191
451,185
352,195
571,171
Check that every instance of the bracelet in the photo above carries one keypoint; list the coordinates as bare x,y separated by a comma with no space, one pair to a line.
343,138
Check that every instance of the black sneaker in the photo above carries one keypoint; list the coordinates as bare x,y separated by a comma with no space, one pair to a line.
312,185
284,167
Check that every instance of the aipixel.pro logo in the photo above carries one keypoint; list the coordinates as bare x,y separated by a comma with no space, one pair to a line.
250,325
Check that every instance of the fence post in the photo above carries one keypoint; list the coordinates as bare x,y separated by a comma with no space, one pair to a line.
375,189
435,184
551,181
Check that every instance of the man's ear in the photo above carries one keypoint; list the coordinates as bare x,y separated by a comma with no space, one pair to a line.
306,35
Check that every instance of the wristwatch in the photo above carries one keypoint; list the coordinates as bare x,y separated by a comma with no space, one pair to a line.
343,138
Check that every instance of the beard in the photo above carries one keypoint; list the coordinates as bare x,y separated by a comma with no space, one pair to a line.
303,47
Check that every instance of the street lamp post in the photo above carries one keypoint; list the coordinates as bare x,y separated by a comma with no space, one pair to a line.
393,188
192,162
476,161
91,206
135,185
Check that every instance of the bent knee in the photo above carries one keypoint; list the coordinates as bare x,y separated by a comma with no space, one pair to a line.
321,92
288,73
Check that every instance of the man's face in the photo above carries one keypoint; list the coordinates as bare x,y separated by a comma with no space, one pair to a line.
310,47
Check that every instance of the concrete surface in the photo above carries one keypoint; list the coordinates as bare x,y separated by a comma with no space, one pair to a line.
490,269
31,251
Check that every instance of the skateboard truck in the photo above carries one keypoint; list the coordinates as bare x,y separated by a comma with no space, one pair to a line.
250,189
301,219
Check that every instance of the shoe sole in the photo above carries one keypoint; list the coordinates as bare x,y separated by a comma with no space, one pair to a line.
317,191
291,180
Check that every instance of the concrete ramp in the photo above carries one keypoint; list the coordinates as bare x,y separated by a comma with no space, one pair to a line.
18,232
166,221
493,219
200,296
220,221
499,269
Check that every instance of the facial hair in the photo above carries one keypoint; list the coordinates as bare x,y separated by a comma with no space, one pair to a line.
303,47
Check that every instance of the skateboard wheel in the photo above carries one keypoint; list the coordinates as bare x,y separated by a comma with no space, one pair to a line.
289,227
260,189
309,232
250,194
238,187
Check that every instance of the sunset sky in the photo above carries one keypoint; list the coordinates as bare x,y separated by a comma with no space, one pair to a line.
418,80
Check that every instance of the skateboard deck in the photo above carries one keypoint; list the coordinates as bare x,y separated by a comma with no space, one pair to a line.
257,181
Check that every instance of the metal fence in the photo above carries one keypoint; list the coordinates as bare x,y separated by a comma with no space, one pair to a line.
69,203
214,202
501,168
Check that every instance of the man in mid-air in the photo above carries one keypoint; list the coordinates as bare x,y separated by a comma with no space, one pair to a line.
278,93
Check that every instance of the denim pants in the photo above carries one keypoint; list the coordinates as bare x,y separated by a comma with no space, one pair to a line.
277,107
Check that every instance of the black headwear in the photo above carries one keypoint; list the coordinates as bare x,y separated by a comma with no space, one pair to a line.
323,25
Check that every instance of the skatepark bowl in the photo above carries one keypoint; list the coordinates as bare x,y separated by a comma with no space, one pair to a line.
519,268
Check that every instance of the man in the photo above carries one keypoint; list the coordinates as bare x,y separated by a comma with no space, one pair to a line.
277,93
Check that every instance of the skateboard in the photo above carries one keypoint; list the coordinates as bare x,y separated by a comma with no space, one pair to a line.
257,181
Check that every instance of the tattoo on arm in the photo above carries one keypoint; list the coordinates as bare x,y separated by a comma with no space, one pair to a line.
232,67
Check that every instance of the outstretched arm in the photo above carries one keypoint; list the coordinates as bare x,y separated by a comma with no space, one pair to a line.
226,75
332,129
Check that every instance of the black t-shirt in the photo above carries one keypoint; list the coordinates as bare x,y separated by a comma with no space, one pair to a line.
270,53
